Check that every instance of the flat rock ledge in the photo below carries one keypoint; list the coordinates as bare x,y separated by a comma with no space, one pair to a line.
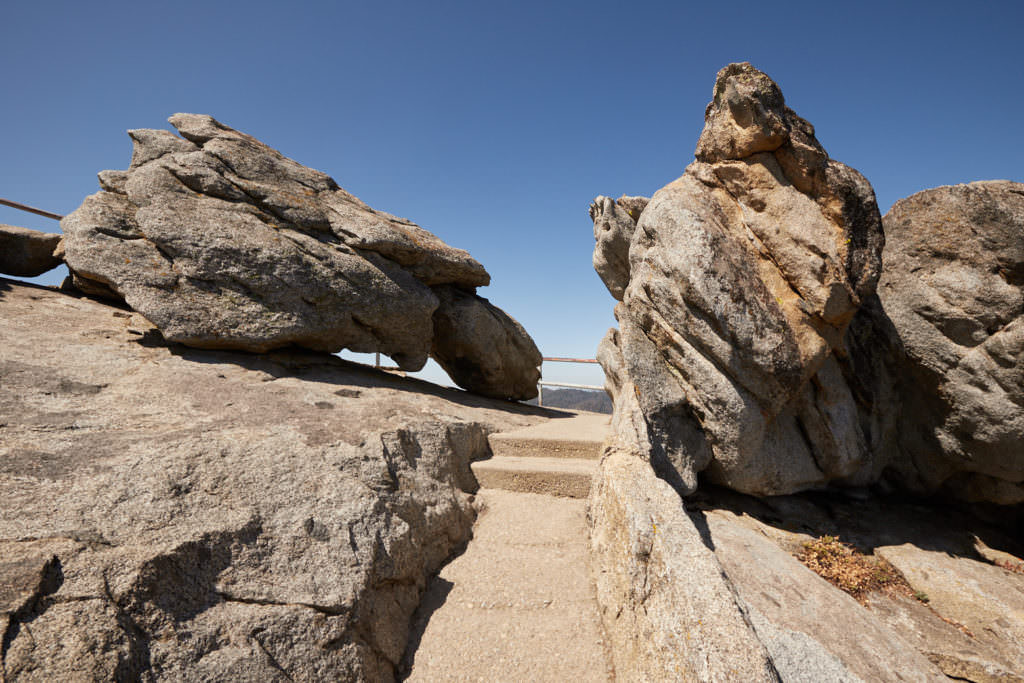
168,513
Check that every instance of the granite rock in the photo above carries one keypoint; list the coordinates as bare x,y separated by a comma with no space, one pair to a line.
482,348
744,276
224,243
953,294
614,223
168,513
667,607
27,253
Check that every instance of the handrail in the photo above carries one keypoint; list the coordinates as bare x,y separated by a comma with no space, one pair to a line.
567,384
541,384
30,209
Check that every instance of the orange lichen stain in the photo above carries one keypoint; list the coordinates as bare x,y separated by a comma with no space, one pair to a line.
1015,567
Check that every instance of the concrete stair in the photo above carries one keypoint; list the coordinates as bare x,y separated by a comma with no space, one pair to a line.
520,603
557,458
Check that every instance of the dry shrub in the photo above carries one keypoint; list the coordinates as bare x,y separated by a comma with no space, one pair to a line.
857,574
846,568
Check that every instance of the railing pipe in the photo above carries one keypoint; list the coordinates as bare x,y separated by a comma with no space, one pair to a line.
554,359
30,209
567,384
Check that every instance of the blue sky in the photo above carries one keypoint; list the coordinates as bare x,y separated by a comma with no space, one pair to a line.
494,124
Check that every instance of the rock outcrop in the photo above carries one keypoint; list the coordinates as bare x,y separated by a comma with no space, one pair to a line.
27,253
480,346
177,514
743,277
614,224
712,590
953,294
224,243
753,350
668,610
752,346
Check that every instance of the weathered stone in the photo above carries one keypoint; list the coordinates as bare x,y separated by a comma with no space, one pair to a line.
222,242
27,253
987,600
614,223
744,275
208,515
482,348
953,289
808,629
667,607
955,653
812,630
651,415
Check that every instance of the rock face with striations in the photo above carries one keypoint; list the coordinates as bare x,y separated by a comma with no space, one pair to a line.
737,284
953,292
222,242
169,513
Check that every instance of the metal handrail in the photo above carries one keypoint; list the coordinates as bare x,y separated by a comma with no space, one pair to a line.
30,209
541,384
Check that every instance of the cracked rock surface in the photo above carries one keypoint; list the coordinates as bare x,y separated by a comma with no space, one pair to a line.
712,590
224,243
168,513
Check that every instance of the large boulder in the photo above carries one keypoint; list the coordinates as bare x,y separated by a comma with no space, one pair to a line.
223,242
743,277
169,513
953,292
27,253
480,346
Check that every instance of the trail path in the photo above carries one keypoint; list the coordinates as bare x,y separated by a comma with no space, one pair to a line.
519,603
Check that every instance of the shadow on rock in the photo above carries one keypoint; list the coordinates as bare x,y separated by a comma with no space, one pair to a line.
872,521
327,368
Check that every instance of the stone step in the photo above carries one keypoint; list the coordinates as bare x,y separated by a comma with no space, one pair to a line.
519,604
579,435
565,477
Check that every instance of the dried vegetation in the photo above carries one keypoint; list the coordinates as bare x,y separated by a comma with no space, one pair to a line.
850,570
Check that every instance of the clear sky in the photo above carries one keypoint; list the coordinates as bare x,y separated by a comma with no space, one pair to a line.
494,124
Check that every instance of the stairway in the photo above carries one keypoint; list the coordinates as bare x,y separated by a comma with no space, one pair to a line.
556,458
520,604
